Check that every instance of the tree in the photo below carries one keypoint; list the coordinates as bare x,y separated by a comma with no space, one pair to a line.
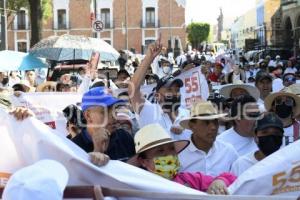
197,33
39,10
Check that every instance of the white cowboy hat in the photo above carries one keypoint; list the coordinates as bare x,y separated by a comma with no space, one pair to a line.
45,179
252,90
151,136
202,110
284,92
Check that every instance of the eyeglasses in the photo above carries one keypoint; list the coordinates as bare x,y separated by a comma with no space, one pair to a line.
287,101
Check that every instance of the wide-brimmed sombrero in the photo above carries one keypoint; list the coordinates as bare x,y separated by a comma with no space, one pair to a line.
284,92
202,110
153,135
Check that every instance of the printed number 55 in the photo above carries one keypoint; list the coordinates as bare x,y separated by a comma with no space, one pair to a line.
191,84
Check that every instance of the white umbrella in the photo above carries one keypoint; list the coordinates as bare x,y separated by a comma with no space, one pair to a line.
73,47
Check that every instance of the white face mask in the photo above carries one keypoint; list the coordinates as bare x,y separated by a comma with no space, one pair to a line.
166,70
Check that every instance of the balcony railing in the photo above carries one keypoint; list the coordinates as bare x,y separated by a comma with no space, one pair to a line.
145,24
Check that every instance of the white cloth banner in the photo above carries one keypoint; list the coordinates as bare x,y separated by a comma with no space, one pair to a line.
30,141
48,106
278,174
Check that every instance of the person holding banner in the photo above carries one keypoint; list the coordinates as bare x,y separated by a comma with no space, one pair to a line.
165,110
158,153
205,153
97,106
268,136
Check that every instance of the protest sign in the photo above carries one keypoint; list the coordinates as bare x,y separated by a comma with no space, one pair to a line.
278,174
195,87
48,106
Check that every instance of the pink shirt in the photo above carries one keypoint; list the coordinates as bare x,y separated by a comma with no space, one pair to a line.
200,181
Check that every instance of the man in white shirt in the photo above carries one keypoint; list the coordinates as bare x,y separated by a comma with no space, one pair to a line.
244,111
205,153
263,82
268,135
165,109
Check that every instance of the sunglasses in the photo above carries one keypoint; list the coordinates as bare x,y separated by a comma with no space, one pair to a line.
287,101
289,79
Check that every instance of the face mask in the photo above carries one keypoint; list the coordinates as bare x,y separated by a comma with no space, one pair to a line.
171,103
166,70
166,166
269,144
283,111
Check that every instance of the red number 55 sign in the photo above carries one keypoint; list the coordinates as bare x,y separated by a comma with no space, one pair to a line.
192,89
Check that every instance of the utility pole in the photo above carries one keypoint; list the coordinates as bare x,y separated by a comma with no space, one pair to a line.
95,11
126,25
3,26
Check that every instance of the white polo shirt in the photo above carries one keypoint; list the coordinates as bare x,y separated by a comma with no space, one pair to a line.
242,145
218,160
152,113
243,163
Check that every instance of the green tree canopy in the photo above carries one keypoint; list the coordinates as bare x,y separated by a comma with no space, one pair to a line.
40,10
197,33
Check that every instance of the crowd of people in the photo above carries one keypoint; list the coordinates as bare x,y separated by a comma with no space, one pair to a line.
253,110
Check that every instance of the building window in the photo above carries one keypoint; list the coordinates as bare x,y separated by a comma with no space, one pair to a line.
22,46
61,19
21,17
105,17
150,17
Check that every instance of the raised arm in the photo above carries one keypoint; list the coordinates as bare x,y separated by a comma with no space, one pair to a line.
136,98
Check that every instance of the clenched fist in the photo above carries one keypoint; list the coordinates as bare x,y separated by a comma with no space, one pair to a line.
99,159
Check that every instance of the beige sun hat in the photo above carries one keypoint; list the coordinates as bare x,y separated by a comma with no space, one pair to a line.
203,110
26,85
284,92
295,88
41,87
227,89
151,136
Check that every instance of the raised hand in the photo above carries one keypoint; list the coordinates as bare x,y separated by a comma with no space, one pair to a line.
154,49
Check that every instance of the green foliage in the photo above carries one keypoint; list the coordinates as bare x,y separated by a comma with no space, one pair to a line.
197,33
16,5
47,9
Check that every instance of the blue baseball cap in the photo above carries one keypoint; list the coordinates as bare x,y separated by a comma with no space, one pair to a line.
98,96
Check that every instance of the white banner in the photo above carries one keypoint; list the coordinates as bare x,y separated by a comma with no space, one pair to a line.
278,174
48,106
33,141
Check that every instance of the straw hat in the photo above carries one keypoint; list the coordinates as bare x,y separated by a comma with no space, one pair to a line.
203,110
227,89
284,92
151,136
26,86
41,87
295,88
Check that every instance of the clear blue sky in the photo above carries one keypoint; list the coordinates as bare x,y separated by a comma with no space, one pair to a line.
208,10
